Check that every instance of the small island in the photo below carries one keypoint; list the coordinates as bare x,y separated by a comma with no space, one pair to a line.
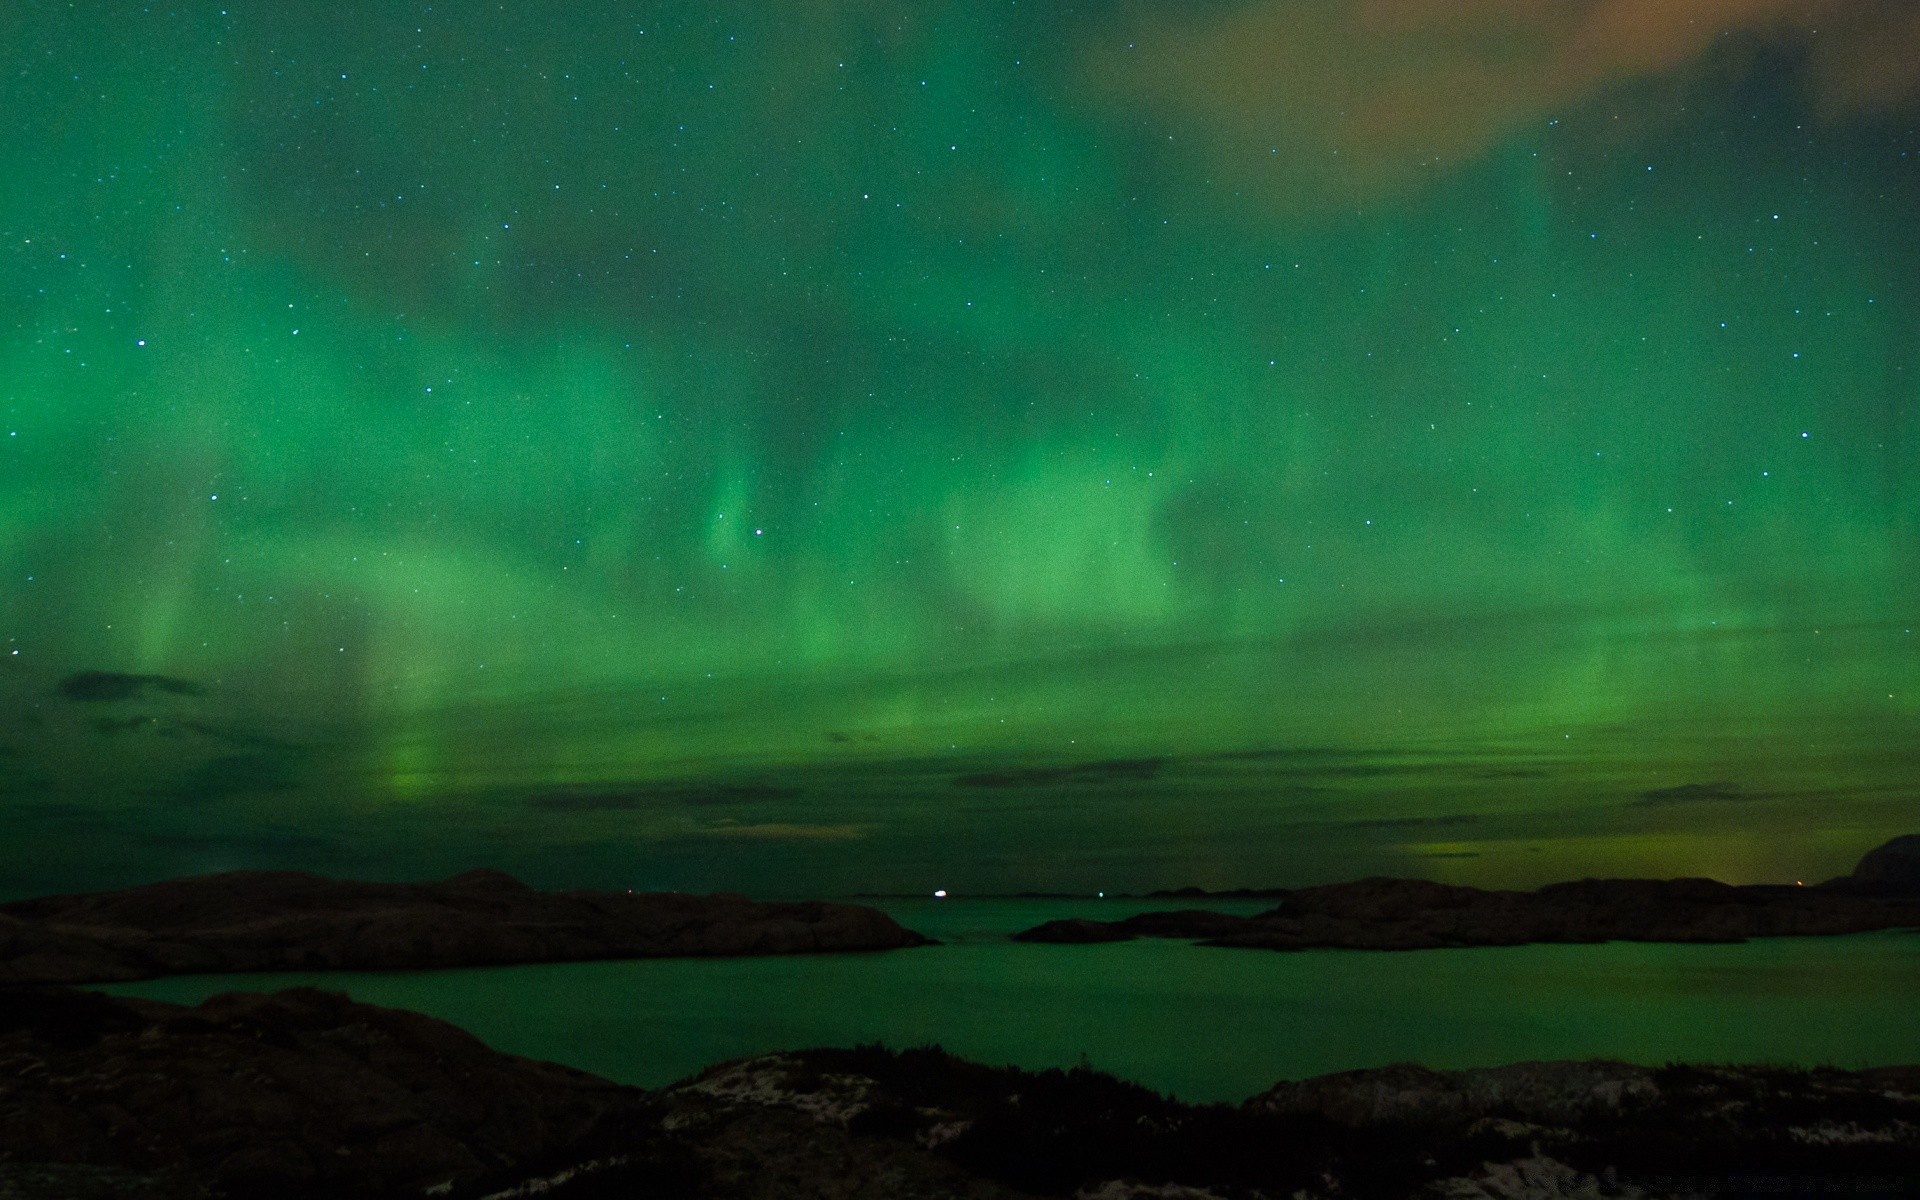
295,921
1883,892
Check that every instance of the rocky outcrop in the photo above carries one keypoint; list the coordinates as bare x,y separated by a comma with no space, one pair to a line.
289,920
1601,1128
1415,914
1538,1093
1584,1128
306,1094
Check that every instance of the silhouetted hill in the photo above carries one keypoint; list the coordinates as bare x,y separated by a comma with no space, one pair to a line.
1415,914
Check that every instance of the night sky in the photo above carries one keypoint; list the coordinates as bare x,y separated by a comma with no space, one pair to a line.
851,445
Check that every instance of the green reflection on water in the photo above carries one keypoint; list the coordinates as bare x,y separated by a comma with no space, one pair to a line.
1204,1024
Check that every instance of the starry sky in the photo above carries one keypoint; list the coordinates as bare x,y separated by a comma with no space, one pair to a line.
861,446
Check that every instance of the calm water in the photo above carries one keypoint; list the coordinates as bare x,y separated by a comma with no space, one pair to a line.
1205,1024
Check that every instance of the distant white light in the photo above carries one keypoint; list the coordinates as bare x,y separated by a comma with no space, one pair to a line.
940,893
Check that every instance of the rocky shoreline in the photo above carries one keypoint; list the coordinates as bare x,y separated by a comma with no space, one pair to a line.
294,921
305,1095
1415,914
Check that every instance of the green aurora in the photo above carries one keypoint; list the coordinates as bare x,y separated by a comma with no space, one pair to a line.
857,446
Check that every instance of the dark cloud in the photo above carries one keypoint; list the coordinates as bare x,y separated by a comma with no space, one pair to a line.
1440,822
1320,763
1691,793
1296,770
628,799
169,727
736,793
97,687
1114,770
589,801
783,831
1333,764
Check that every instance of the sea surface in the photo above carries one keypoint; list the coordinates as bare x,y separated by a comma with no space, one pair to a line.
1199,1022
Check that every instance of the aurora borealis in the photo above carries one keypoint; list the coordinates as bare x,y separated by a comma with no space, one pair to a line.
860,446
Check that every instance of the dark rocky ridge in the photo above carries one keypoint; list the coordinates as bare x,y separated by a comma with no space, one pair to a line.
306,1095
1415,914
299,1093
290,920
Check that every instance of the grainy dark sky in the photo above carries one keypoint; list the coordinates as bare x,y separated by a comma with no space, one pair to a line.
858,445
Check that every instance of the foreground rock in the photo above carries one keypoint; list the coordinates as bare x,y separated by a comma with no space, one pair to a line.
290,920
1415,914
307,1094
1532,1129
300,1093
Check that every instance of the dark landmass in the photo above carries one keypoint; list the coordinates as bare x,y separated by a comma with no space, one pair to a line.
1185,893
1890,869
1194,893
1416,914
971,896
306,1094
293,921
296,1094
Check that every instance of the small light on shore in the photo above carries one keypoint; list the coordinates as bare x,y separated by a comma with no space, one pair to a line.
1100,895
940,893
